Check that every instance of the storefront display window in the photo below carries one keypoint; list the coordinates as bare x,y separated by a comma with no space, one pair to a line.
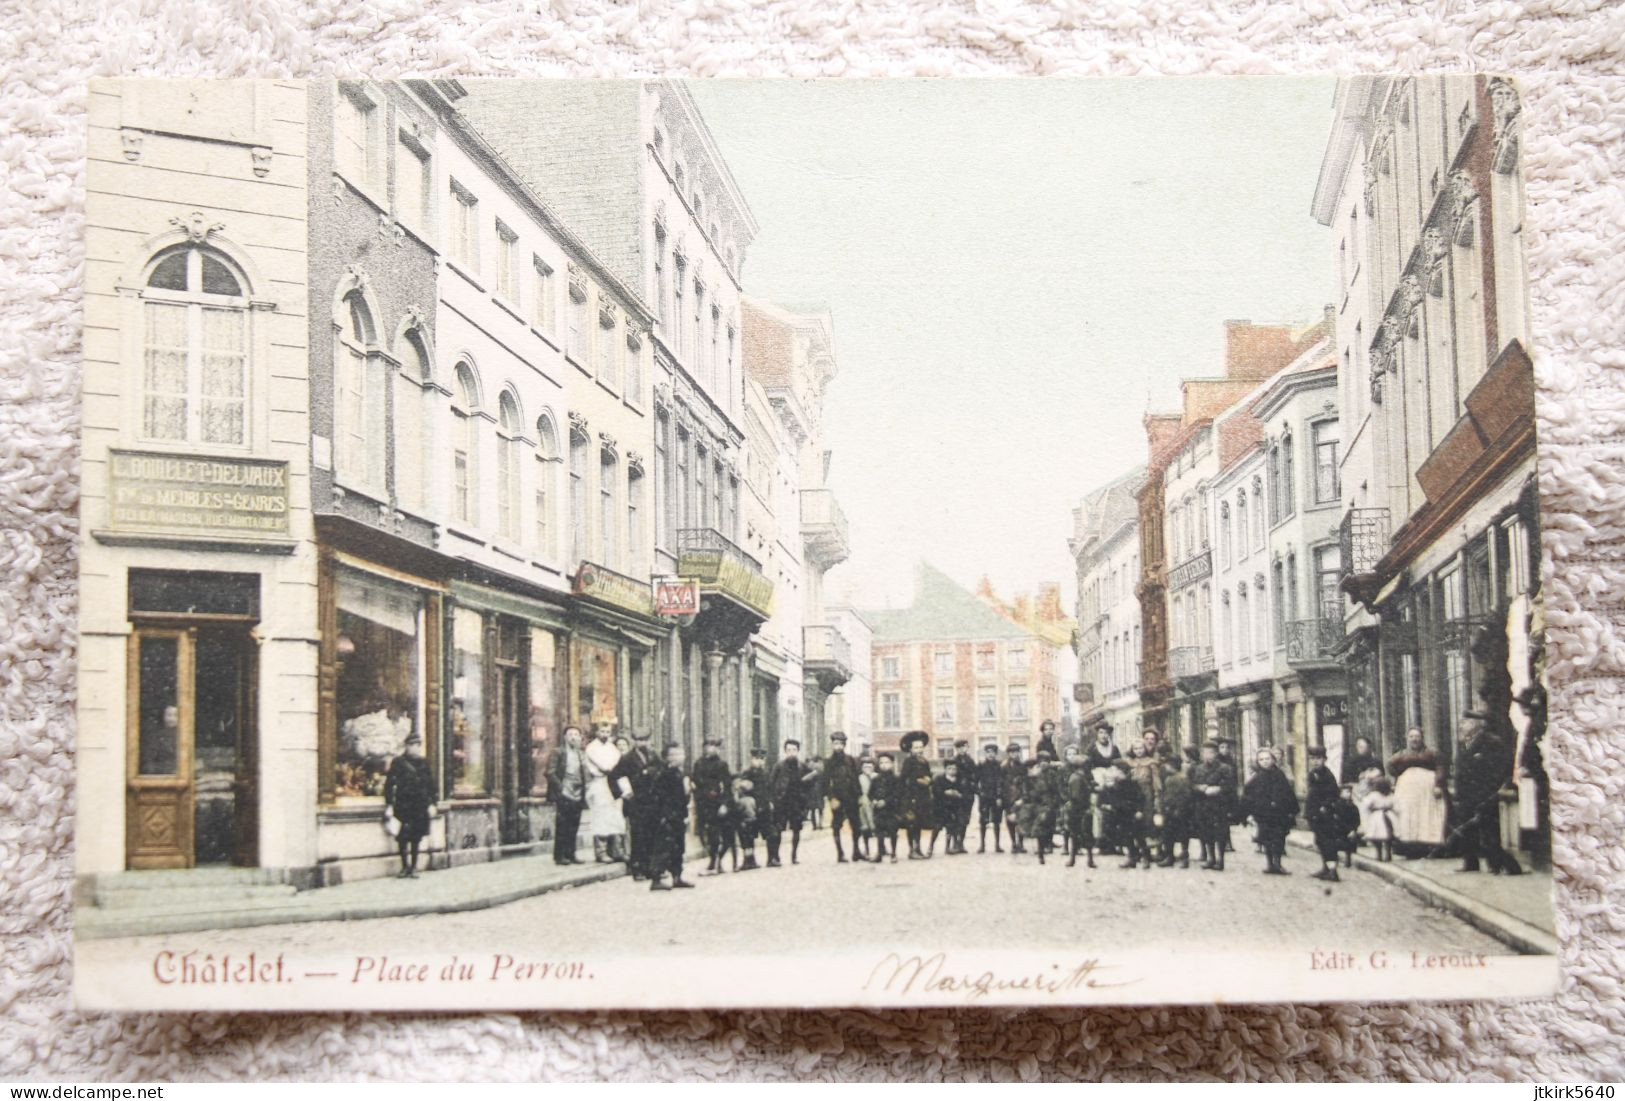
595,684
547,716
380,679
467,757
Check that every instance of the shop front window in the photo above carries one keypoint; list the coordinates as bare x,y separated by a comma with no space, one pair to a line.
595,684
467,756
380,679
547,717
159,703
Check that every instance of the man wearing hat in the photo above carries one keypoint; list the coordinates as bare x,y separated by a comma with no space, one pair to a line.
1483,766
408,792
989,776
790,782
630,782
670,793
1102,755
713,781
842,790
761,787
1214,785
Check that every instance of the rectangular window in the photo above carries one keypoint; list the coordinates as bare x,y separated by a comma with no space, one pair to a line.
663,522
357,133
545,686
607,469
632,375
414,185
544,529
943,663
891,710
677,319
465,229
1018,659
985,659
944,709
987,707
684,497
467,757
542,292
634,506
575,344
379,697
945,748
1327,488
608,348
1328,573
890,668
507,264
1018,703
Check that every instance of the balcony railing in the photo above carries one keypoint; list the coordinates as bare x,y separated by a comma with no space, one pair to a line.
827,655
1190,661
1312,641
1364,535
720,566
823,527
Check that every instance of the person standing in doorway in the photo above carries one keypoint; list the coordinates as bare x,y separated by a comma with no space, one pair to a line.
567,788
408,794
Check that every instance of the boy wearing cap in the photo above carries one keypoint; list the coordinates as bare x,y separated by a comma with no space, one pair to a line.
789,783
408,792
989,805
948,797
712,781
671,792
914,799
1214,787
883,797
761,789
841,787
1012,787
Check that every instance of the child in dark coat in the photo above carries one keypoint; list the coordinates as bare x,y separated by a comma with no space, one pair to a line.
883,797
1122,806
1272,804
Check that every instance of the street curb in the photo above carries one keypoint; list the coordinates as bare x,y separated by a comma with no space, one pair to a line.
1527,939
135,926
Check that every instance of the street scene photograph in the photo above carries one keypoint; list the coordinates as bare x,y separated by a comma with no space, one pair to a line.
681,544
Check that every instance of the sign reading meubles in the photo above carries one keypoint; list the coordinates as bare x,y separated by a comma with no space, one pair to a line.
155,492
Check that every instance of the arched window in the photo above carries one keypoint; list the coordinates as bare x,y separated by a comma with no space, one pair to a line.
1241,525
359,435
547,465
414,446
1260,529
1177,622
1226,628
1261,614
1289,497
1244,623
608,511
578,493
634,517
465,449
194,382
1224,533
509,442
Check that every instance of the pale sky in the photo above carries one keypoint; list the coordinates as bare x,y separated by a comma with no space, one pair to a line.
1017,270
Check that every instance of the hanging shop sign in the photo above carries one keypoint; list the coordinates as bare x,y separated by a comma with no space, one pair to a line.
677,598
608,587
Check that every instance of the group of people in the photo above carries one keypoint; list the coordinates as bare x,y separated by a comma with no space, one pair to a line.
1147,804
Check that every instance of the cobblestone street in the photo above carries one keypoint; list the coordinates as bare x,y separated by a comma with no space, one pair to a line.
964,901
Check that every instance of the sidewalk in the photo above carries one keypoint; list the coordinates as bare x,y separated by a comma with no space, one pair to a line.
1515,910
466,887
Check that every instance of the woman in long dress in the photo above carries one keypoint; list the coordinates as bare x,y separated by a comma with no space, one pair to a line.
604,820
1419,802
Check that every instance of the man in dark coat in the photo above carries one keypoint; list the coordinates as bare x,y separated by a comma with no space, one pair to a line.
842,790
915,809
1214,787
630,780
761,786
408,793
567,791
1046,741
1011,788
670,813
1078,819
1482,768
1321,783
790,784
713,783
1227,757
989,795
1271,803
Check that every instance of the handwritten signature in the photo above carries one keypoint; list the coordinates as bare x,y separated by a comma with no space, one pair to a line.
933,974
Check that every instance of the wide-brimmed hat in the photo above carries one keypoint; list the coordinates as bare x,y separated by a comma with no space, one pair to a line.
914,738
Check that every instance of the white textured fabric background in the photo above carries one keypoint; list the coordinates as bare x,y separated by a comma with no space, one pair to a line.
1567,54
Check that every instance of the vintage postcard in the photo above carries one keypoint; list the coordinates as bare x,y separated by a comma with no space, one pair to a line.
833,543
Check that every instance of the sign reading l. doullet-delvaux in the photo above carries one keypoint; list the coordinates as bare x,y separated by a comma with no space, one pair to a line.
150,491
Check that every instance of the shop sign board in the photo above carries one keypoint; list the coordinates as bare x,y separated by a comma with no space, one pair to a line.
730,576
677,598
148,491
605,585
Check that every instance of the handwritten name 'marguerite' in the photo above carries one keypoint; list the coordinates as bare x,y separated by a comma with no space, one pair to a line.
932,974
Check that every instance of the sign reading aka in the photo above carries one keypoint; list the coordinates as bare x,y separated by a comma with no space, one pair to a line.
677,598
195,494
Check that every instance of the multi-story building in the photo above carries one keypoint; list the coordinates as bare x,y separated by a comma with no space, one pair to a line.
1242,635
1298,452
1041,613
790,354
480,386
851,706
633,169
197,691
953,666
1105,546
1440,528
1178,677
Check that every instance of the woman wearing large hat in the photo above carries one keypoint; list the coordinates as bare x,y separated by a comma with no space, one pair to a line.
914,778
